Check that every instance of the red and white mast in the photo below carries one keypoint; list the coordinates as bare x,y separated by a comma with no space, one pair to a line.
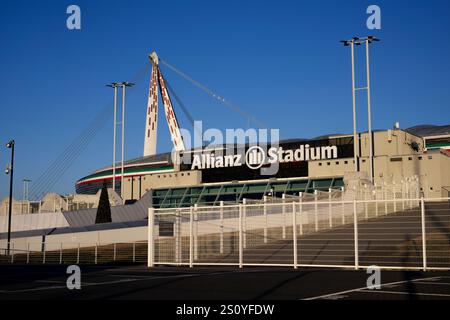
151,128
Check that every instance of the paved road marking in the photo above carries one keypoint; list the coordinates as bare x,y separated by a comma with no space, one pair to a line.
364,288
129,279
407,293
435,283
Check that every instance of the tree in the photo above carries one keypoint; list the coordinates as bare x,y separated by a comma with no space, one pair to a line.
104,208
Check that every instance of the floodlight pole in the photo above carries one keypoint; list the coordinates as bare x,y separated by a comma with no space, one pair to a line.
115,86
358,41
115,138
10,145
122,183
124,86
355,133
369,112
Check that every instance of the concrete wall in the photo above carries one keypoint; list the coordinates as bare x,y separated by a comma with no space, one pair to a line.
26,222
136,187
82,239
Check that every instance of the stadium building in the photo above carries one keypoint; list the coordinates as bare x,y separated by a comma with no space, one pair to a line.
422,151
302,165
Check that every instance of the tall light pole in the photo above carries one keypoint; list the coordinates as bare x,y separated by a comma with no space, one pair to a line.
115,86
352,42
124,85
10,170
25,198
369,40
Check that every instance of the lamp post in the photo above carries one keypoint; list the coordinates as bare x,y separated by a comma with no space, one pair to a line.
10,170
115,86
352,42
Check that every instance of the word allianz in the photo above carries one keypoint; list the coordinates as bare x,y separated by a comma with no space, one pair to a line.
275,154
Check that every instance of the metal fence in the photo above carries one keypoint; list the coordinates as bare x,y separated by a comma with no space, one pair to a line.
74,253
411,233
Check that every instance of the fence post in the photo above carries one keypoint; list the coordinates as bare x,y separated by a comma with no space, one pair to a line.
134,252
343,206
385,199
294,233
12,252
424,235
151,238
177,237
300,202
191,237
316,217
60,253
28,253
78,253
244,222
96,252
265,219
195,232
355,222
403,195
330,217
395,196
376,202
115,252
366,211
283,197
221,227
43,256
241,249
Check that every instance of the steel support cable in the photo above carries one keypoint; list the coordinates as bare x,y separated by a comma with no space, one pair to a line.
183,108
45,180
58,167
221,99
48,180
55,164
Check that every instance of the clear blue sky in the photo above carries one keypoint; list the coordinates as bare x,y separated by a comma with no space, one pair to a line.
280,61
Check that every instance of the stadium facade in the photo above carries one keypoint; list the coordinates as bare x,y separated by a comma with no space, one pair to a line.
422,151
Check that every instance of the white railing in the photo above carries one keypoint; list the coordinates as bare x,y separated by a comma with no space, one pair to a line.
404,233
74,253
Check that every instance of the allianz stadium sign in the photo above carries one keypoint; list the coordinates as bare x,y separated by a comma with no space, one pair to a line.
256,157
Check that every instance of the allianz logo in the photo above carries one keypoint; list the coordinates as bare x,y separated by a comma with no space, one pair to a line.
256,157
